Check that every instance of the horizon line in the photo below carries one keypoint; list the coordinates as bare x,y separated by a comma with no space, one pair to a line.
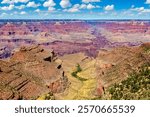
78,19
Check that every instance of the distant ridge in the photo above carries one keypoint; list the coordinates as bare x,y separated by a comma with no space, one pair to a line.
86,20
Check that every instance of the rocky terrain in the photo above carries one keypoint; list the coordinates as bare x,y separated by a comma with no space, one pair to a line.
96,75
115,65
71,59
30,73
35,73
69,37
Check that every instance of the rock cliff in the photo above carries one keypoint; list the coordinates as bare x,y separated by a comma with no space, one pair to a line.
30,73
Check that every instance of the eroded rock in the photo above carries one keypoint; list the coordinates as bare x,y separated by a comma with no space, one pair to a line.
28,75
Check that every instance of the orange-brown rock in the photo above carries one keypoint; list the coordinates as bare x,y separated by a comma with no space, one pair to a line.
30,73
115,65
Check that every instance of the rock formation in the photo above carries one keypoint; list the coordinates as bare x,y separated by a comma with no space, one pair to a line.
115,65
30,73
107,51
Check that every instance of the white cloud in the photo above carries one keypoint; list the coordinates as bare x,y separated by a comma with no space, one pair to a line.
87,1
83,6
23,13
37,10
10,7
73,10
32,4
49,3
65,3
109,7
51,9
146,11
140,10
20,7
14,1
147,2
78,7
90,6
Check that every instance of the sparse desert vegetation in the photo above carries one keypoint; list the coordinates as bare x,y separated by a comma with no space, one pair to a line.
135,87
75,73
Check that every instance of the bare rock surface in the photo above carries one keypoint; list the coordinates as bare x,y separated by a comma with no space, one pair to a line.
115,65
30,73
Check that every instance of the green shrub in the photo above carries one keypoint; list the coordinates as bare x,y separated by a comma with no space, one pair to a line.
74,74
137,86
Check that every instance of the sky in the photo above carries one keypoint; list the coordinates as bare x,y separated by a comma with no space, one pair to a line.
74,9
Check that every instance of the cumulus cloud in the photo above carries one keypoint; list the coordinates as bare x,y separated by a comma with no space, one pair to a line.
23,13
32,4
49,3
13,1
75,8
72,10
140,10
37,10
65,3
20,7
147,2
83,6
90,6
51,9
146,11
10,7
109,7
78,7
87,1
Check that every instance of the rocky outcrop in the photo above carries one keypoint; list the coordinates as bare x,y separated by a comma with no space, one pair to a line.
115,65
30,73
5,52
69,37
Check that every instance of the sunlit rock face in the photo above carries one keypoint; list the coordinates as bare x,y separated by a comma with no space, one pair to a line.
68,37
40,58
30,73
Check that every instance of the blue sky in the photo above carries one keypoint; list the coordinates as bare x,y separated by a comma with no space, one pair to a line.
74,9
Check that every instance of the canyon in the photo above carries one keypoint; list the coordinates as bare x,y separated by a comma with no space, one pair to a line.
77,60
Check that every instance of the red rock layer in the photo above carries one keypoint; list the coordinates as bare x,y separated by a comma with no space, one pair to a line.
30,73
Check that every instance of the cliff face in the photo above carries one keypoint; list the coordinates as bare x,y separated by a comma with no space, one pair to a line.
114,66
30,73
34,73
67,37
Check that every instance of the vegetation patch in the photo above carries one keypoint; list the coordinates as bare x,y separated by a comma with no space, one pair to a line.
146,48
136,87
74,74
48,96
